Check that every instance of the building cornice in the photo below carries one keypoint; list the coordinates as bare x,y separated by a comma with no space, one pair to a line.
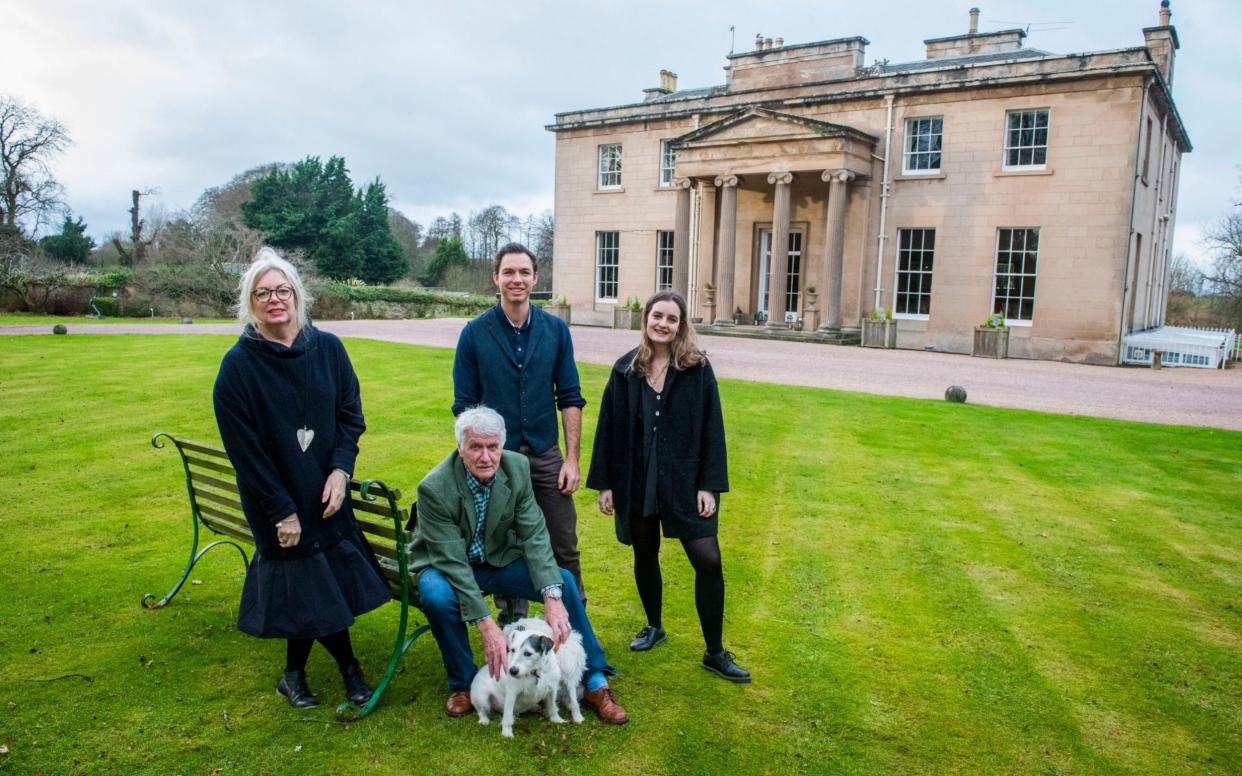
877,84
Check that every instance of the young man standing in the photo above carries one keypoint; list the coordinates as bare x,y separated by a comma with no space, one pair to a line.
519,360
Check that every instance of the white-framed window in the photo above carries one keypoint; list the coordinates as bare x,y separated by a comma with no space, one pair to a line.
607,263
793,275
1017,253
610,166
668,162
922,149
916,253
664,260
1026,139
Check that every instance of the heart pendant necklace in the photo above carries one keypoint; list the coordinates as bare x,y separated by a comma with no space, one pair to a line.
305,437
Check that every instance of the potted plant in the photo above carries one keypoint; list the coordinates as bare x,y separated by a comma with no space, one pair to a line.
880,331
559,307
628,315
992,338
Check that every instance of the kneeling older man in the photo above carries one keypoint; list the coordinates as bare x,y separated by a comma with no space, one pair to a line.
479,528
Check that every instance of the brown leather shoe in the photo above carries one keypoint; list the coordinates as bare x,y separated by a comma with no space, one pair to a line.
458,704
606,706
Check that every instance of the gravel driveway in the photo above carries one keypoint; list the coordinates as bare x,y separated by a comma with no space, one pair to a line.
1194,397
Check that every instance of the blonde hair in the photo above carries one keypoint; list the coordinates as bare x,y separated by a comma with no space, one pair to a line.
683,351
265,260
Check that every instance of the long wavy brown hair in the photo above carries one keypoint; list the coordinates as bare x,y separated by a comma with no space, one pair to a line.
683,350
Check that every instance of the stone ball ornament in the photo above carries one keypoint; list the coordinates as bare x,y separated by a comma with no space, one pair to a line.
955,393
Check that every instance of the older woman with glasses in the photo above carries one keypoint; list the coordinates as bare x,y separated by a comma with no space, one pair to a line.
288,407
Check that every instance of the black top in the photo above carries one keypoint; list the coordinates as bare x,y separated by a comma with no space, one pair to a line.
651,402
264,393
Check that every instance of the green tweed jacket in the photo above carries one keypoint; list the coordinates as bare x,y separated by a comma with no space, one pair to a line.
515,528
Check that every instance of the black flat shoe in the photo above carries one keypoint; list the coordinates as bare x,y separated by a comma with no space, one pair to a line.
722,665
356,688
647,638
292,685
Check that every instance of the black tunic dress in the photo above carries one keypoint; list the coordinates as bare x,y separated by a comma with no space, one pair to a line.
264,393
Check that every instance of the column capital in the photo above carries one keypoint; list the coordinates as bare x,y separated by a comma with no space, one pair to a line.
726,180
683,183
842,176
780,177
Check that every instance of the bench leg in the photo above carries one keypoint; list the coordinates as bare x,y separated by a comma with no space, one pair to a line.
148,600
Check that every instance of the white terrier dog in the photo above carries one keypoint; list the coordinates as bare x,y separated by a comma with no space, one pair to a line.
537,675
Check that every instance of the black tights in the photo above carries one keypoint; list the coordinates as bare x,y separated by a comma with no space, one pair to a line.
704,555
338,645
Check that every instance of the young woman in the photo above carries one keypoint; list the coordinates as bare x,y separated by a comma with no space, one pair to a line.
659,463
290,416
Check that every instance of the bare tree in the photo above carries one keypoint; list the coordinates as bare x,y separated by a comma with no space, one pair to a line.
29,194
1224,279
140,238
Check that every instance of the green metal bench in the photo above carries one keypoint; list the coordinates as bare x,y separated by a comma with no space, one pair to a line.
214,503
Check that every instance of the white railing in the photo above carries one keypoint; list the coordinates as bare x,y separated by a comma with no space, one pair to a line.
1182,346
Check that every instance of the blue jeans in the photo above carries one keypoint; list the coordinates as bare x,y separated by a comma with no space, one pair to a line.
438,601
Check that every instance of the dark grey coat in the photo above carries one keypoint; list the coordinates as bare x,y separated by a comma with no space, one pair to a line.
690,449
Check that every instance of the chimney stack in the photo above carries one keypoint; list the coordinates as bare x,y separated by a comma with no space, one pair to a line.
974,21
668,80
779,42
1162,43
759,41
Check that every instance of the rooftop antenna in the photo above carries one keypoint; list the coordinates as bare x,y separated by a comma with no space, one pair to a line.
731,39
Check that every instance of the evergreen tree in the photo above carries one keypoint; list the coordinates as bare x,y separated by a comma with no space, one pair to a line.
71,244
313,207
448,253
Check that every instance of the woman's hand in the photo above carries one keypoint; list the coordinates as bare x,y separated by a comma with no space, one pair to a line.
707,503
289,532
605,501
334,491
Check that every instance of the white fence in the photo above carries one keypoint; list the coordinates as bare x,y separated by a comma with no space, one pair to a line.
1181,346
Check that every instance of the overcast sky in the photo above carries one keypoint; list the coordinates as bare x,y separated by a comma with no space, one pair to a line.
446,102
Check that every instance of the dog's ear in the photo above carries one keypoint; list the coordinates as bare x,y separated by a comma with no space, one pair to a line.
543,644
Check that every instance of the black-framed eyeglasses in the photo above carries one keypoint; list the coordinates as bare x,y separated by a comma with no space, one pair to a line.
282,293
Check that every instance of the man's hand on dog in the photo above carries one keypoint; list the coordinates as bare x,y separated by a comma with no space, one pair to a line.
557,617
495,647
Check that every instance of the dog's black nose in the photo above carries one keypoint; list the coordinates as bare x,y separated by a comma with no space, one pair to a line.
513,671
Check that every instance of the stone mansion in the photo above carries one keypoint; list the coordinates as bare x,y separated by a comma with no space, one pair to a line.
986,178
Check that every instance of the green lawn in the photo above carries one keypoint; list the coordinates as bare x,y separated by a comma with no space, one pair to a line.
917,587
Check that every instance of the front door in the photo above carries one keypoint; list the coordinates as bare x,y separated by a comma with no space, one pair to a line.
792,287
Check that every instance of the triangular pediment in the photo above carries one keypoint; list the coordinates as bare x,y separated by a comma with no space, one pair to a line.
762,124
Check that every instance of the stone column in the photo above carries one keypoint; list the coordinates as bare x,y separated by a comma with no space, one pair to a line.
838,192
780,250
681,238
727,258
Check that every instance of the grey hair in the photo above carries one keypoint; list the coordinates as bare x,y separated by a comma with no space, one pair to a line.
483,421
265,260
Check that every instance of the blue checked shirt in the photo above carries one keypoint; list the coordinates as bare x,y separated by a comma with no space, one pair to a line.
482,493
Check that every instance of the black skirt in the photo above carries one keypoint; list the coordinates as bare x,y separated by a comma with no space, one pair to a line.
305,598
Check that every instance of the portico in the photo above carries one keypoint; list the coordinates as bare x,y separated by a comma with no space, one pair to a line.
792,175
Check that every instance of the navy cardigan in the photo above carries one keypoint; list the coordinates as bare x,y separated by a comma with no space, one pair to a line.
263,394
527,396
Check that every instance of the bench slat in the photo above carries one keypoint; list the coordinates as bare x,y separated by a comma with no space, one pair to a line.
200,448
229,485
226,523
218,499
215,467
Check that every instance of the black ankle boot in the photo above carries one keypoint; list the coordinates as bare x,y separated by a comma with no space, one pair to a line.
722,665
292,685
356,688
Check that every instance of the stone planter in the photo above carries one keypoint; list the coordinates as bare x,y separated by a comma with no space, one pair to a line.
625,318
559,310
991,342
879,334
